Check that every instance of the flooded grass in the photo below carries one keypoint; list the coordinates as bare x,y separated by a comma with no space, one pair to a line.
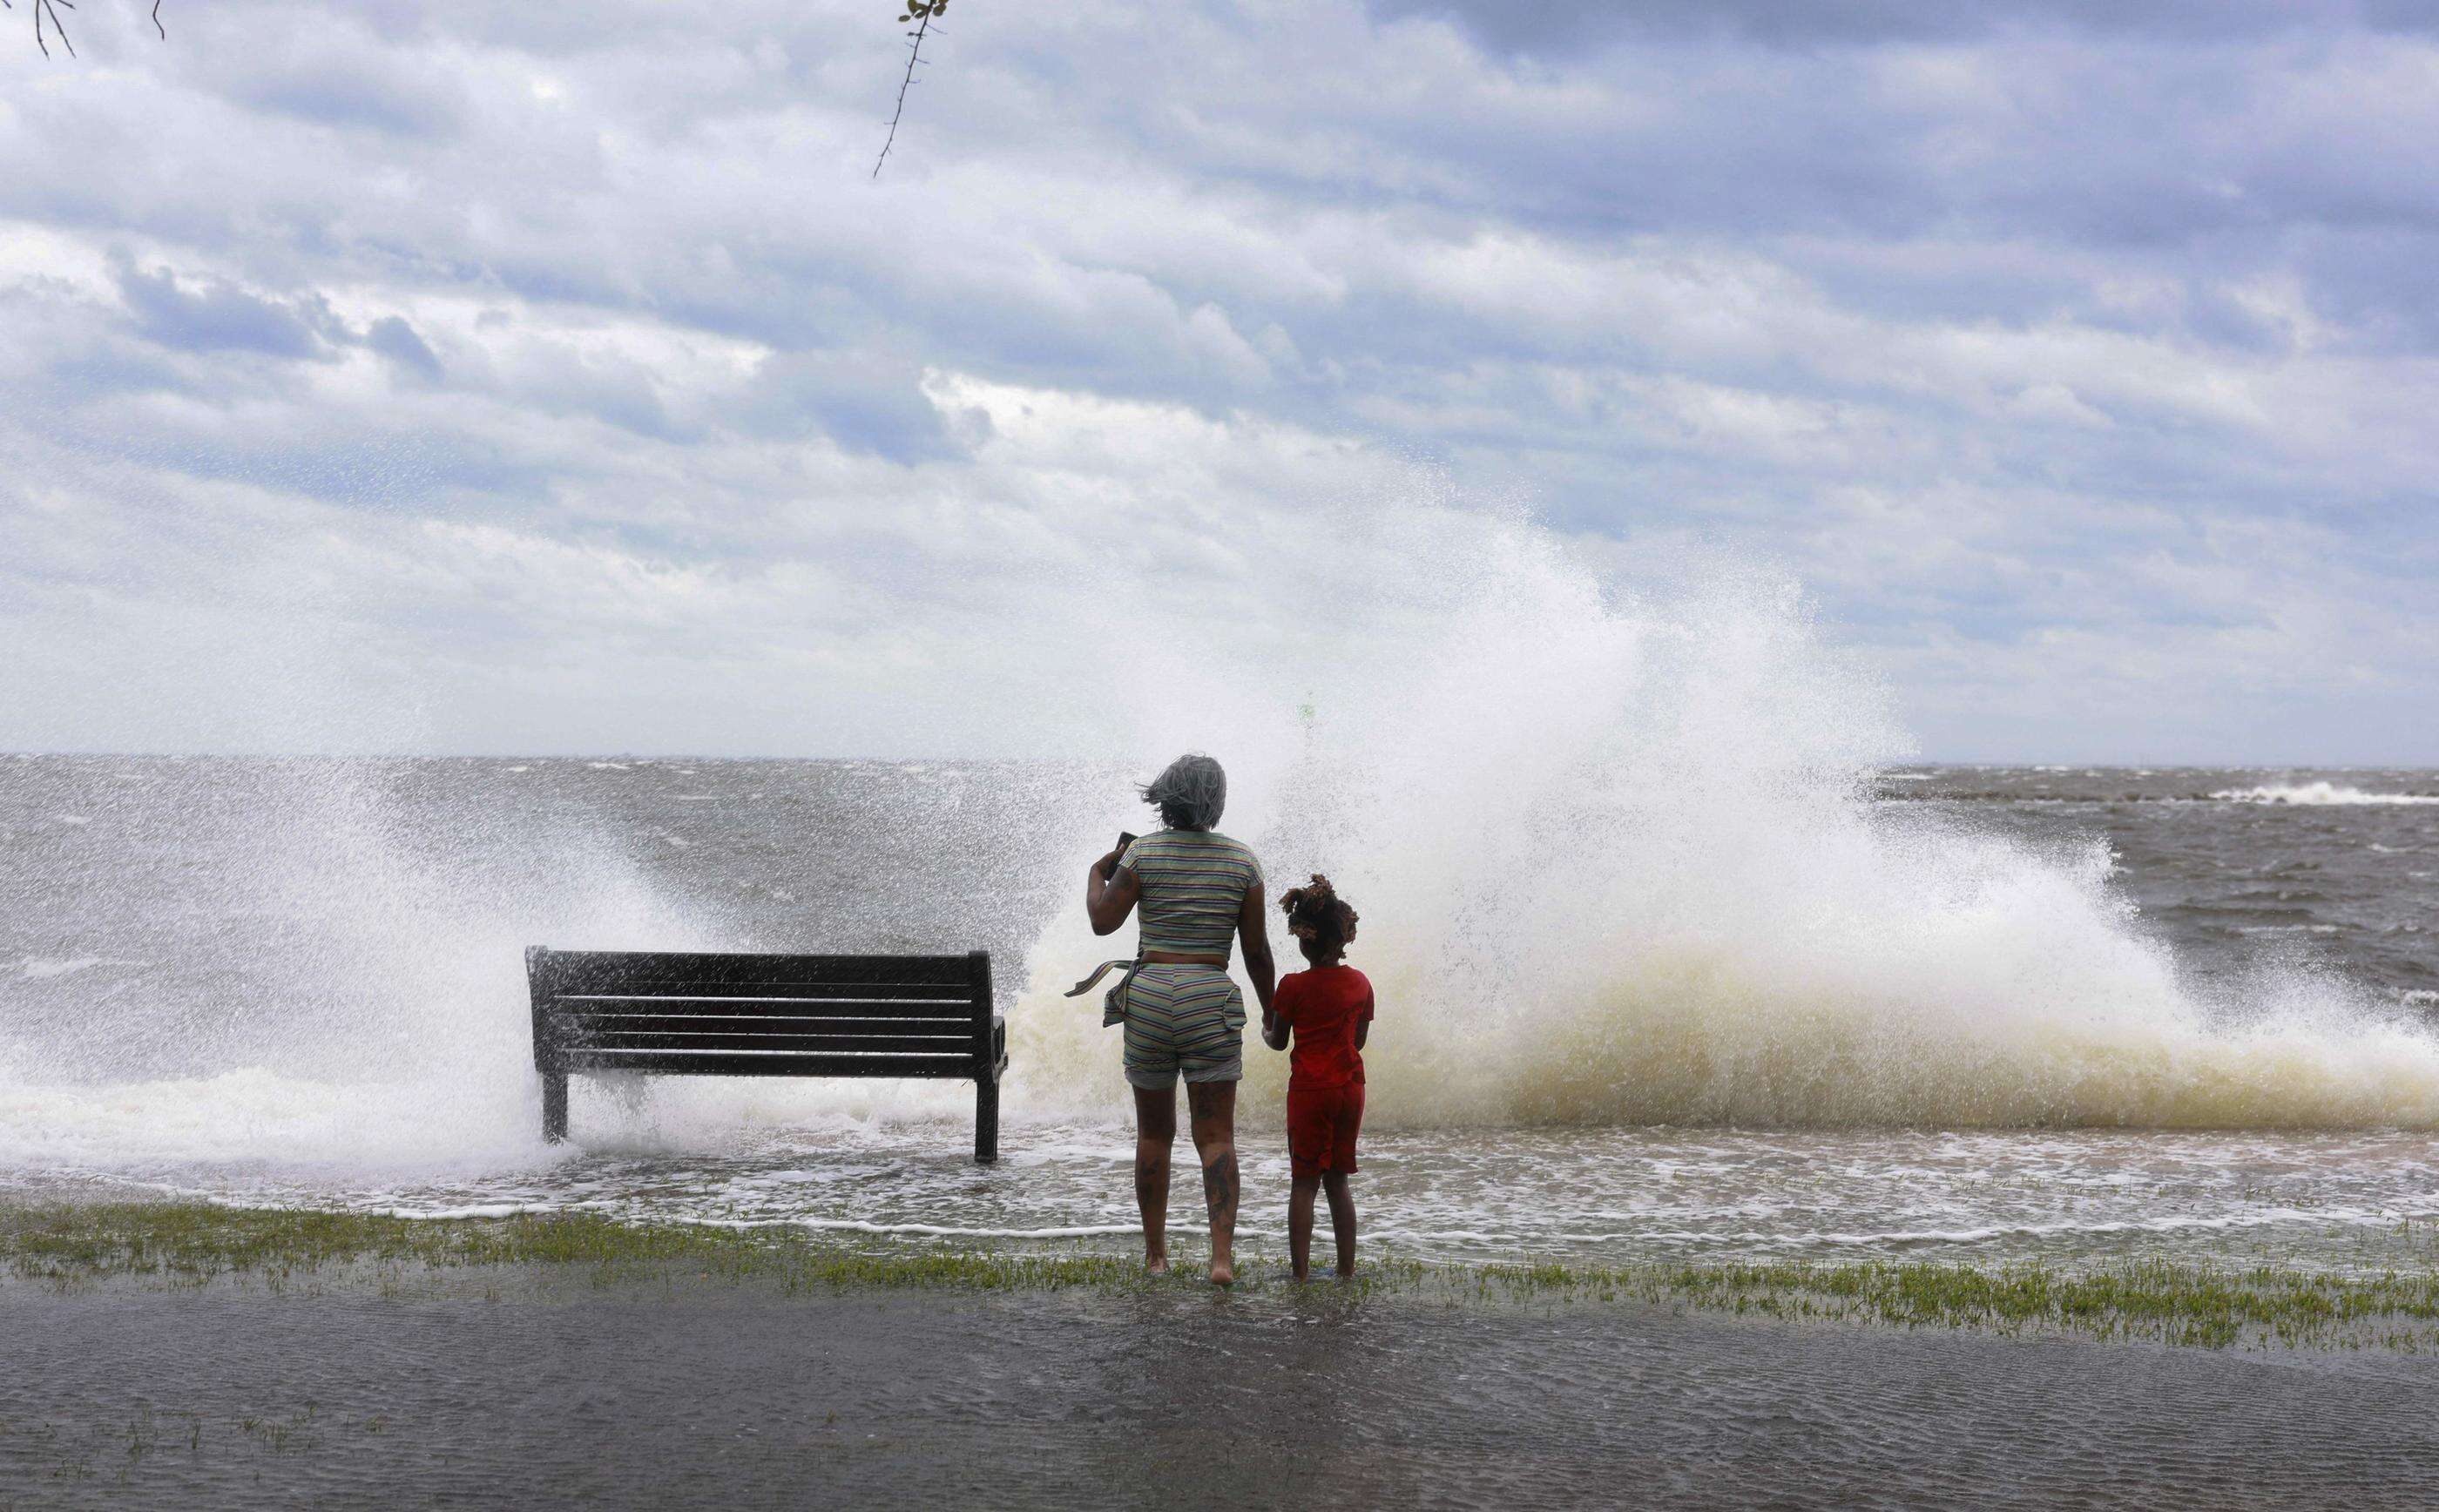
202,1241
2202,1306
2172,1303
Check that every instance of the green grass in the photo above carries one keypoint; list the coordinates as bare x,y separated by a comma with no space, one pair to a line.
2172,1303
2180,1303
200,1241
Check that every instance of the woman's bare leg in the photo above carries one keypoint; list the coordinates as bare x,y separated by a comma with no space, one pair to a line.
1155,1133
1212,1105
1341,1219
1300,1192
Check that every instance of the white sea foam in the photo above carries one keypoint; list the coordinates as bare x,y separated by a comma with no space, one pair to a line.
1617,862
931,1231
2318,794
1798,1238
257,1115
474,1210
386,1028
33,969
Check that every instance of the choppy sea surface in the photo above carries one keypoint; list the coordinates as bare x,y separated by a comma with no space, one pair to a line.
1960,1013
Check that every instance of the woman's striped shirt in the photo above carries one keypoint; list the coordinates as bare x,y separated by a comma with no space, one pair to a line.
1193,885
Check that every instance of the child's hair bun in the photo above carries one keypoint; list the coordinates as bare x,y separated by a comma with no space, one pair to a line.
1316,913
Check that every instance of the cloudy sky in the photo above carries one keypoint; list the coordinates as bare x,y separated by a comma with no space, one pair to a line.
557,378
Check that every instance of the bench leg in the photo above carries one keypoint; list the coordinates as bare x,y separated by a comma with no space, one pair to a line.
986,1120
554,1106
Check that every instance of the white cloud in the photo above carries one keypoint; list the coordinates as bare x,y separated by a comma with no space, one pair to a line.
560,377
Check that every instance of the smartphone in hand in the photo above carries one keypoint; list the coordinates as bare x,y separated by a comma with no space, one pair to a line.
1125,839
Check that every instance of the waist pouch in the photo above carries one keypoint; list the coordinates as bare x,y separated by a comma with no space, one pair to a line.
1113,1001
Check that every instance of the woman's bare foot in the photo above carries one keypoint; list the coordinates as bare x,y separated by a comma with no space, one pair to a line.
1155,1264
1223,1273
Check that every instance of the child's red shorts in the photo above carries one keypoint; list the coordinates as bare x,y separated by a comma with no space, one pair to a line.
1322,1122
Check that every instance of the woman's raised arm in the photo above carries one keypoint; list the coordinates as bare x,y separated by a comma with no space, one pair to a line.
1109,895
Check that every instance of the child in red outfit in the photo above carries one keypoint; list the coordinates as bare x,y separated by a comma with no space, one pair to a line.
1329,1009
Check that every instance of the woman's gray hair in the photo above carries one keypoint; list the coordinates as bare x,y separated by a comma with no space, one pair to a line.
1190,792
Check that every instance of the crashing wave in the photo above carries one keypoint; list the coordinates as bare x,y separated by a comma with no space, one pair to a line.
1620,862
2315,794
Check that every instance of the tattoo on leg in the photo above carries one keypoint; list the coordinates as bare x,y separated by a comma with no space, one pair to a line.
1220,1185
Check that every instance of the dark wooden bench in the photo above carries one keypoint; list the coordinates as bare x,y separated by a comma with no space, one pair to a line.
678,1014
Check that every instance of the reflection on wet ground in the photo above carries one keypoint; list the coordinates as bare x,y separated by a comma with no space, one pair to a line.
657,1393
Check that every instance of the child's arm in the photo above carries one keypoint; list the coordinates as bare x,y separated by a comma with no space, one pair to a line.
1281,1010
1274,1033
1363,1022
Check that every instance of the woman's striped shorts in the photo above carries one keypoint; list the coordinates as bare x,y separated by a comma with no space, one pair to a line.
1184,1019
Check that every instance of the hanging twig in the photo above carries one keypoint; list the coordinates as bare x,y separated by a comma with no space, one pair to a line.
923,12
59,28
51,6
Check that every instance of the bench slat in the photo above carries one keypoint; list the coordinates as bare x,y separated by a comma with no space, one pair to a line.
580,968
683,1062
749,991
695,1040
753,1007
581,1025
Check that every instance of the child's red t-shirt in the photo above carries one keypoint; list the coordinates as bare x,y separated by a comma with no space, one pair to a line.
1325,1006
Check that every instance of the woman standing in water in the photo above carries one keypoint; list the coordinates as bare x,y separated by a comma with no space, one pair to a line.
1184,1017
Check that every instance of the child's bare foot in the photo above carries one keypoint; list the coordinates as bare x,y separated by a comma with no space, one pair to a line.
1223,1273
1155,1263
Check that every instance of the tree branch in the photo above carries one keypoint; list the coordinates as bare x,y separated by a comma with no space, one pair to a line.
922,12
53,7
50,8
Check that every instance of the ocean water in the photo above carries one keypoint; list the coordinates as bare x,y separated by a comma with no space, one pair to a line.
1932,1011
1673,959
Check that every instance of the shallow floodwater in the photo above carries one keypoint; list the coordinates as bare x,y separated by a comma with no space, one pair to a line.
2341,1201
1960,1036
652,1395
